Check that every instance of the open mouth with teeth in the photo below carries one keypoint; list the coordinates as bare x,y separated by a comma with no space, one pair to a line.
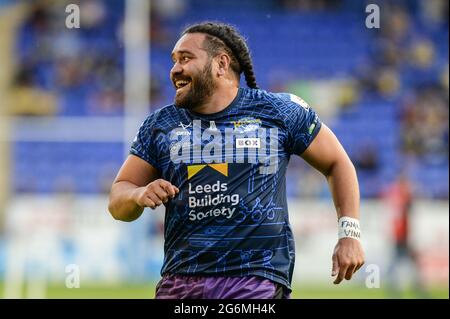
181,84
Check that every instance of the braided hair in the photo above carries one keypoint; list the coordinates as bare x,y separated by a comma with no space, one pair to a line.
223,37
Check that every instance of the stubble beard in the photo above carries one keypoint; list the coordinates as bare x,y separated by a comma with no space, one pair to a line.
201,88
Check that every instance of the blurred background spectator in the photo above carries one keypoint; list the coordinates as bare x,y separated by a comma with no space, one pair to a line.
400,199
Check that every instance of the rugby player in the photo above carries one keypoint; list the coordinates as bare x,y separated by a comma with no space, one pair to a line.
216,159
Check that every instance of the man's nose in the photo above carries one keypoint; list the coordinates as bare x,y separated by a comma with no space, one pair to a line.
176,69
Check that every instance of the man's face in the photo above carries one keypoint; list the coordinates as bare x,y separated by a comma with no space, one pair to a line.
192,73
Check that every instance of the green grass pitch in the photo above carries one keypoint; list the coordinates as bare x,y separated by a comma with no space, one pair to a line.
143,291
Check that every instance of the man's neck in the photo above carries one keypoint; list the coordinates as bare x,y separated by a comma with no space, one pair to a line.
221,99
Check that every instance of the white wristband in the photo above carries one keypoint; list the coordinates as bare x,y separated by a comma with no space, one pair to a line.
349,228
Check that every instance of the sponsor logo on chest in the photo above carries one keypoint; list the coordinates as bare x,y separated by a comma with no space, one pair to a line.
242,143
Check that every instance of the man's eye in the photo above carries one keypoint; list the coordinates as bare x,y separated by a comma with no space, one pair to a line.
181,60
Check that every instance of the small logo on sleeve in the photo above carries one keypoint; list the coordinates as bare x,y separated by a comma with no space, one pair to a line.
299,101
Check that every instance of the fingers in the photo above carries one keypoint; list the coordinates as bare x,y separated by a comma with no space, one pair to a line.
335,268
170,189
360,264
159,192
154,198
350,271
345,269
147,202
341,274
348,257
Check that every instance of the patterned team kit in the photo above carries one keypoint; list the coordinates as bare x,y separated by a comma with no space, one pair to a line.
230,218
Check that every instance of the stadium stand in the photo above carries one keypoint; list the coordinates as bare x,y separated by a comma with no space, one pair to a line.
388,101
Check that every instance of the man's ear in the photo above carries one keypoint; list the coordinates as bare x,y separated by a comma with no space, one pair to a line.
223,63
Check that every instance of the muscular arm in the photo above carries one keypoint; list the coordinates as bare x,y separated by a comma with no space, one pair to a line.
328,156
135,187
134,173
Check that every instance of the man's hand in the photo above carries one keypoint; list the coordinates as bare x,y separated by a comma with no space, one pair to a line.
348,257
155,193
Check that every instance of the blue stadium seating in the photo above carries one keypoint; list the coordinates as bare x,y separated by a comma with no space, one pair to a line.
310,45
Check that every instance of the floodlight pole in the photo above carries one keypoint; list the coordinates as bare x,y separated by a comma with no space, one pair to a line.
137,68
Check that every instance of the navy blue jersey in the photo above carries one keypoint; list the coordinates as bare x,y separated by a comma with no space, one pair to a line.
231,216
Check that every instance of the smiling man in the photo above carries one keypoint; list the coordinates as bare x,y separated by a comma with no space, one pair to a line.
217,160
